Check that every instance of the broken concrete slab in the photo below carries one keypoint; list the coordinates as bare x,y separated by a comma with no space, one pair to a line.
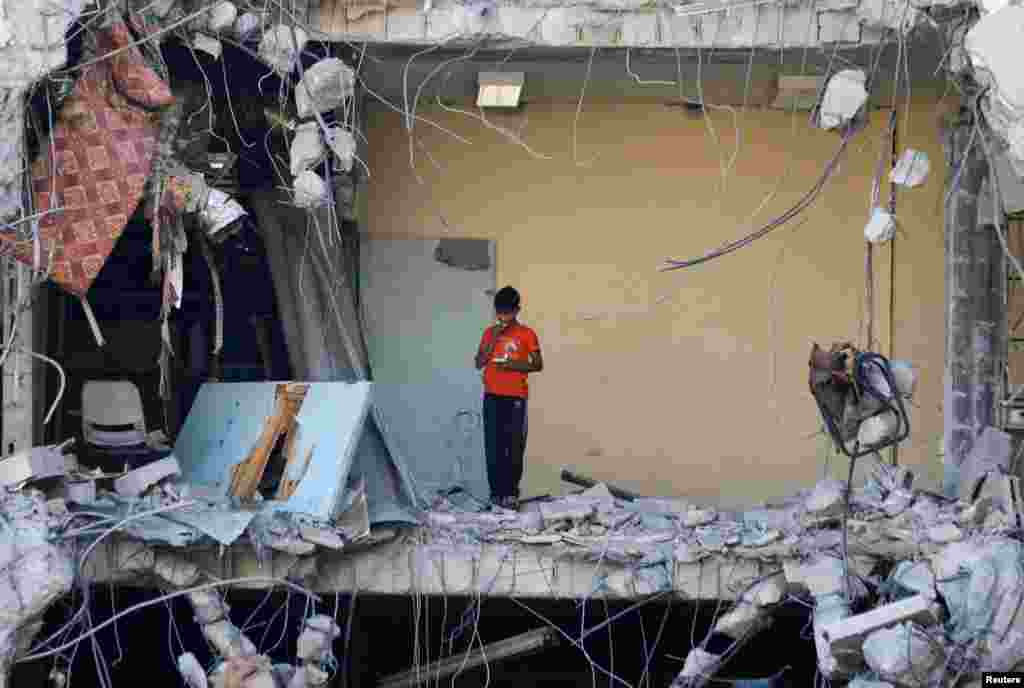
134,483
36,463
945,532
904,654
847,635
749,612
992,45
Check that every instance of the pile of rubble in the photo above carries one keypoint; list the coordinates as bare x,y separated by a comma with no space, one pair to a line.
921,591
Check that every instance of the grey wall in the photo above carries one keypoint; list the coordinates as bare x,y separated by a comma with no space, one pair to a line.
424,321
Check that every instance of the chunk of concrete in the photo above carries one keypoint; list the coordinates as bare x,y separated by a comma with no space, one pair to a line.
916,576
847,635
993,45
133,556
343,145
559,511
826,499
222,17
829,610
845,95
695,518
698,663
903,654
322,537
324,87
307,147
134,483
208,44
191,671
944,533
36,463
317,636
749,611
990,454
310,190
228,639
281,47
175,570
247,24
208,606
79,491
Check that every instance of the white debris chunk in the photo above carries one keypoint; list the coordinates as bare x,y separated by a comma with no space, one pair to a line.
916,576
310,190
314,643
867,683
228,639
175,570
134,483
828,610
749,612
694,518
844,97
191,671
945,532
343,145
698,663
208,44
247,24
881,227
222,17
323,87
993,47
31,464
912,169
826,498
281,46
307,147
903,654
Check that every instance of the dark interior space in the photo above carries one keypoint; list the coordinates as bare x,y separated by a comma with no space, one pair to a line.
222,115
381,639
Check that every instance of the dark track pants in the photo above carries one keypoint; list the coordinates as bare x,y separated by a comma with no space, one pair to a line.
505,443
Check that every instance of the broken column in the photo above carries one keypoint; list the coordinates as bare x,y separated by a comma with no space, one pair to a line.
750,615
974,265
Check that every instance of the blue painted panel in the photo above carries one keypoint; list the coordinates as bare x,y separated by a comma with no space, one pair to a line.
226,421
424,320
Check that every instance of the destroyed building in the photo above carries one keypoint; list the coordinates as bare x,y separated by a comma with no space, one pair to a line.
251,246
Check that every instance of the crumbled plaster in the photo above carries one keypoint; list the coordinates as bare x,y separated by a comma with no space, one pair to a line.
35,573
993,47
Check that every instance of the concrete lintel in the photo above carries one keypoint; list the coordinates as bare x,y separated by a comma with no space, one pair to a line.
627,24
401,568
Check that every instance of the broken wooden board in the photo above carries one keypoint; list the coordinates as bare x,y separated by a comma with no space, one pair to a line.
230,433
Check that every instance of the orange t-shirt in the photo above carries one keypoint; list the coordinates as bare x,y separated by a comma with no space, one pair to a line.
517,342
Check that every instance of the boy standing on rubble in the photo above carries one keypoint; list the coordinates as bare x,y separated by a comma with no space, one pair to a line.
509,351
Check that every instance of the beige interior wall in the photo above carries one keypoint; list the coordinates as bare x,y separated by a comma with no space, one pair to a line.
693,382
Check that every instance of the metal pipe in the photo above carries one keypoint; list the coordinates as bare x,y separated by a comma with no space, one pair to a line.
583,481
532,641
